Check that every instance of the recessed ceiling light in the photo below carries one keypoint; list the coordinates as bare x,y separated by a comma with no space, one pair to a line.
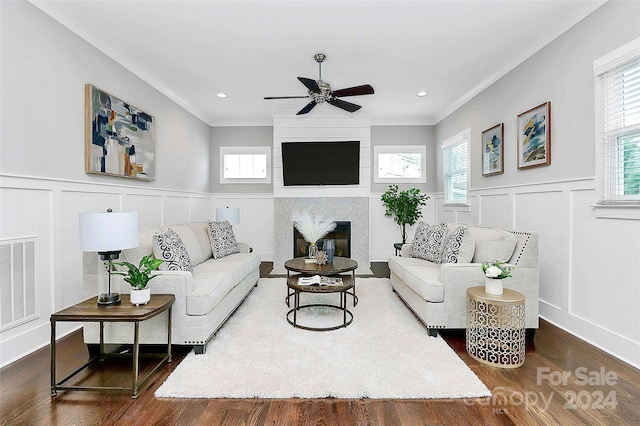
221,95
422,94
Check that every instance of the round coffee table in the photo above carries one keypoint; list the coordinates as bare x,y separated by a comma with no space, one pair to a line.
340,265
292,285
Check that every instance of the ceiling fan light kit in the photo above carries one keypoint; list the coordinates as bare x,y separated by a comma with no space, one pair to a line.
320,92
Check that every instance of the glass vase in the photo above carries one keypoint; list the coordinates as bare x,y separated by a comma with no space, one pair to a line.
329,247
313,250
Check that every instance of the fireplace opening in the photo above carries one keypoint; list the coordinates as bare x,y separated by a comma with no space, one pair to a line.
341,236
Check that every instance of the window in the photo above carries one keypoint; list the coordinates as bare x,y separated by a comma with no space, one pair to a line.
395,163
455,167
618,126
245,164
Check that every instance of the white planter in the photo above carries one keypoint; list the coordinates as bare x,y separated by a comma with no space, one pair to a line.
140,297
493,286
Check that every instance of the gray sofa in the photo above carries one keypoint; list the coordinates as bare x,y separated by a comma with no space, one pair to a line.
436,292
205,297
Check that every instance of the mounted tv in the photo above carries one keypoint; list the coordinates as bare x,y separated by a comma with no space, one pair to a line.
321,163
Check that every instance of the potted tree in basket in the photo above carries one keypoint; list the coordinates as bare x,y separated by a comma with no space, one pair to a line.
404,206
138,277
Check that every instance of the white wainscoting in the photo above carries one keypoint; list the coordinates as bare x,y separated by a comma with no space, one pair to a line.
589,265
48,209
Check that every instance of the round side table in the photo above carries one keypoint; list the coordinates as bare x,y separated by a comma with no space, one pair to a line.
495,327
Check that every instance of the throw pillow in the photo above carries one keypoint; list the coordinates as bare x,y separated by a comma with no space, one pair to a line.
223,241
168,246
427,243
456,247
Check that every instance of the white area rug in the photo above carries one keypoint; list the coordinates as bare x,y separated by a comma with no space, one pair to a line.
385,353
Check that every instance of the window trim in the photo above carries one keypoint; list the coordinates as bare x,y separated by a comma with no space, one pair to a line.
400,149
606,63
239,150
459,138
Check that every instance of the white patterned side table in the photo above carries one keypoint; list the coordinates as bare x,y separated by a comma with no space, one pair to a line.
495,327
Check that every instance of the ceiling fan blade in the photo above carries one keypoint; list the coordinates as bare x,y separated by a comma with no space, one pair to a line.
307,108
365,89
285,97
347,106
311,84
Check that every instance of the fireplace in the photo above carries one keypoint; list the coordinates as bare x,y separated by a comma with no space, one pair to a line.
341,236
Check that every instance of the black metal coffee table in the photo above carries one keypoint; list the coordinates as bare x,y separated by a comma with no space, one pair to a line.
294,289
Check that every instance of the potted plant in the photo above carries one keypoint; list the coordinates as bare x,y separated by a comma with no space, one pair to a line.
404,206
138,277
494,273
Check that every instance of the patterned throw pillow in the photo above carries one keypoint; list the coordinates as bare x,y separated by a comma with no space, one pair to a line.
427,243
452,244
223,241
168,246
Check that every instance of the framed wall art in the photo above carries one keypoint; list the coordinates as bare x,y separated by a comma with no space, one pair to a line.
493,150
119,138
534,137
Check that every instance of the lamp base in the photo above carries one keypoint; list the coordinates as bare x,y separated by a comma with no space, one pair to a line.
108,299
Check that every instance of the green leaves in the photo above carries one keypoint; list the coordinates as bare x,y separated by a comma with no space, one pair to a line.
404,206
139,276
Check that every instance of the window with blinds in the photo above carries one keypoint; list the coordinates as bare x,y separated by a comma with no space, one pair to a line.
455,168
619,133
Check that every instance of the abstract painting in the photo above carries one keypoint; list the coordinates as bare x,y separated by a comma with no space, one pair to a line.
534,137
493,150
119,138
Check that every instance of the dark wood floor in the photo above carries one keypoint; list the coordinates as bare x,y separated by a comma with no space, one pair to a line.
533,394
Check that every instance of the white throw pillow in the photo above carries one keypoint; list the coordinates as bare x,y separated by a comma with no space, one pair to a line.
223,241
459,246
427,243
168,246
492,244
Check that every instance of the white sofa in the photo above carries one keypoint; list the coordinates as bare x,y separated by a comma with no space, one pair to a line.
436,292
205,297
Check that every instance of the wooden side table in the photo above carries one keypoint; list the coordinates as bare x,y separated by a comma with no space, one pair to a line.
495,327
89,311
398,248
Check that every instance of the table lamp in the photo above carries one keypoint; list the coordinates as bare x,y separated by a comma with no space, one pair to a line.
232,215
108,233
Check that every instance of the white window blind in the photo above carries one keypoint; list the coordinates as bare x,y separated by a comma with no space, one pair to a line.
618,92
455,168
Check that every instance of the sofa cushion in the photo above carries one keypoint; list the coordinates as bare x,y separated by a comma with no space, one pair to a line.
492,244
190,242
420,275
223,241
168,246
427,243
209,289
201,231
459,245
237,265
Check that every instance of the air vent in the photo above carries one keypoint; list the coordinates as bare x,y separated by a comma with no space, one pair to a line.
18,282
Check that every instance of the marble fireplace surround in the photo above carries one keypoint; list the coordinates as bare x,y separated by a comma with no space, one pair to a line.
353,209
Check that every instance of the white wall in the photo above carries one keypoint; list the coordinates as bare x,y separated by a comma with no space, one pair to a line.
43,186
590,269
44,69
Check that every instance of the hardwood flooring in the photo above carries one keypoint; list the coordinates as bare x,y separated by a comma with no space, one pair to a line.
564,381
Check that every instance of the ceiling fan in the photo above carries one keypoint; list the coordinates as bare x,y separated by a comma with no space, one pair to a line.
320,92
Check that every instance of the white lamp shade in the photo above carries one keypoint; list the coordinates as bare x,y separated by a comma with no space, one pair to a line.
232,215
109,231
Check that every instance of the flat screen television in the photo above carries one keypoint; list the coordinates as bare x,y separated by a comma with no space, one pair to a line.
321,163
